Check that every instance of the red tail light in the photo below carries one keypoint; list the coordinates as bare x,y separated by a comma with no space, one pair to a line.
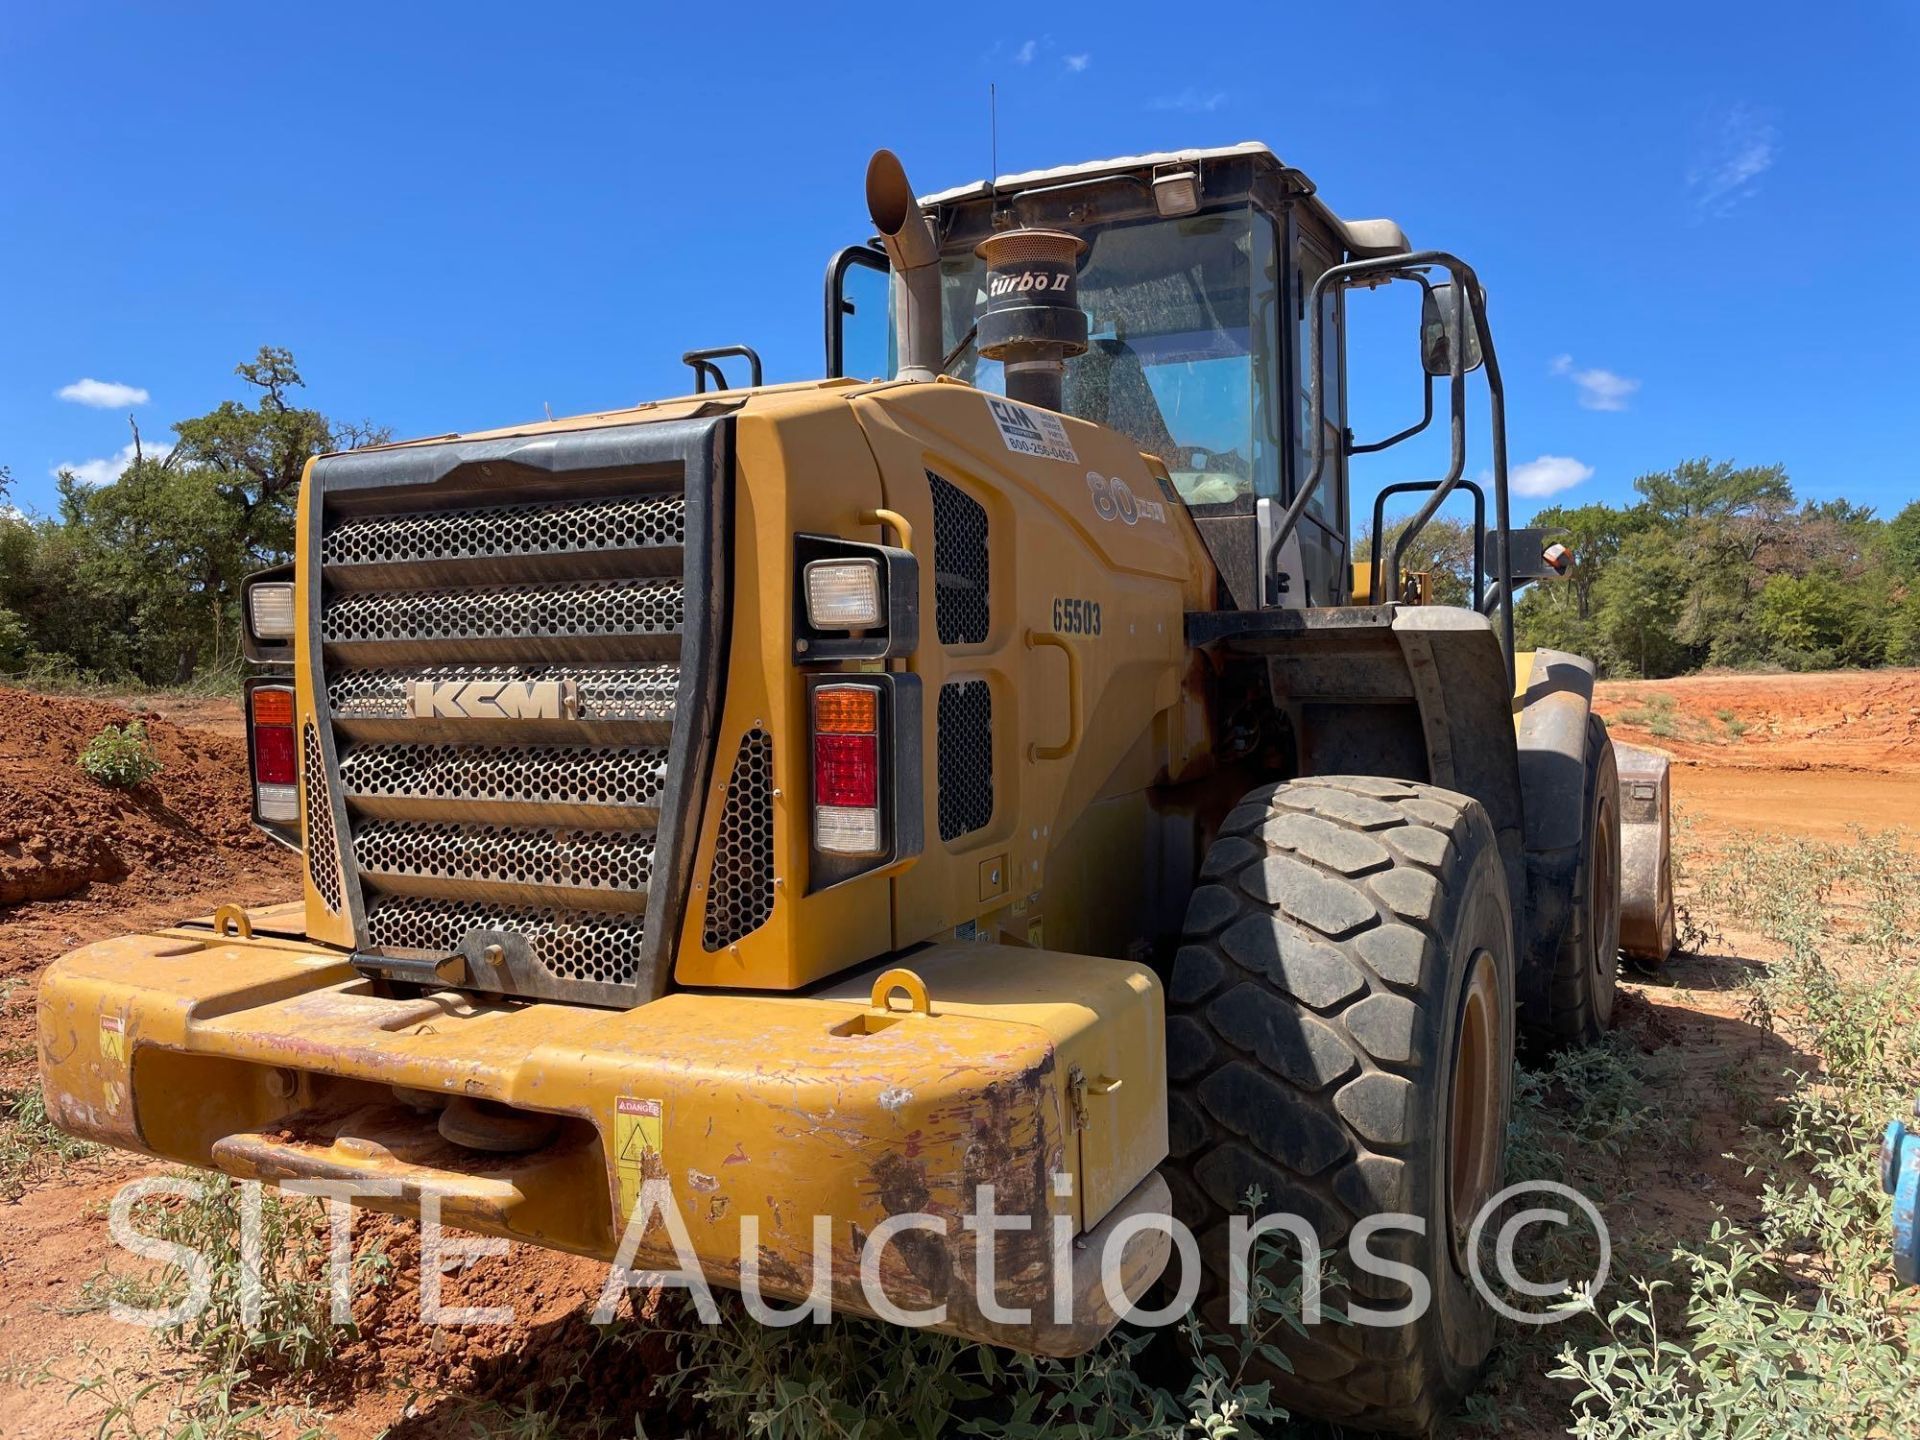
275,766
273,754
846,770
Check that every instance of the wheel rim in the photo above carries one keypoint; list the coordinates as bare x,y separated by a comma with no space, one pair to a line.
1474,1122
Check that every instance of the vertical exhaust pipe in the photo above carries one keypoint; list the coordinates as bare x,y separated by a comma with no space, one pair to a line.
915,259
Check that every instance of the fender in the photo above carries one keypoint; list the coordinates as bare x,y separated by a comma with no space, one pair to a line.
1551,732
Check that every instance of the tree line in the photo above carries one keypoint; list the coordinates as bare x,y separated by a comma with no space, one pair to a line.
139,580
1720,565
1714,565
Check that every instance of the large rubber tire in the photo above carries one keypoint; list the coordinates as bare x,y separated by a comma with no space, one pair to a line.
1575,1008
1318,1023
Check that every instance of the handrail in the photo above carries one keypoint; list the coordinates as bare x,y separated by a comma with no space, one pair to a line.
902,527
1075,722
1467,299
865,257
1406,487
702,363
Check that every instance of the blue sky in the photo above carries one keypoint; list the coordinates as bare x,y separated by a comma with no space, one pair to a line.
1694,221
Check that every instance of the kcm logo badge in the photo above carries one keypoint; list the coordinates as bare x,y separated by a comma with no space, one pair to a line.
493,700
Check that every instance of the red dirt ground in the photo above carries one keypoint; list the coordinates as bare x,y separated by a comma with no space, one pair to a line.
80,862
61,830
1816,753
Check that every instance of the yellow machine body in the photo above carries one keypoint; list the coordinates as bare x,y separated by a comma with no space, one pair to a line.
1037,1053
269,1058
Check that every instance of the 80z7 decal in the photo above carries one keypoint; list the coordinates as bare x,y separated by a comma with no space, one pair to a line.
1114,500
1075,617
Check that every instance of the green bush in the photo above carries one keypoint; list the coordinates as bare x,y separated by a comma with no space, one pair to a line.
295,1333
29,1145
119,756
1785,1325
14,641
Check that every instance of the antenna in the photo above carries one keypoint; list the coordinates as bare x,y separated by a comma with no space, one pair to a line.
993,137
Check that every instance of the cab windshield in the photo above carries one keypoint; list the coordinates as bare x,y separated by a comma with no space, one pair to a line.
1184,318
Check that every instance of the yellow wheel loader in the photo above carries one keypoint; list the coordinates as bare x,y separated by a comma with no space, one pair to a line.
907,842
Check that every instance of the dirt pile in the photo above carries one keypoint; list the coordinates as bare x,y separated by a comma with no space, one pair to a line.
1851,720
61,830
400,1370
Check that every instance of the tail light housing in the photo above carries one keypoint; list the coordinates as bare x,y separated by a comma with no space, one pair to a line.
866,785
846,769
273,757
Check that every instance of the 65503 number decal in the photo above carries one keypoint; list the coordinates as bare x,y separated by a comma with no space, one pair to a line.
1075,617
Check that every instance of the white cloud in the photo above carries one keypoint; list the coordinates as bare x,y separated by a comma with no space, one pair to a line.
1548,475
1196,101
105,472
1728,163
1599,389
1024,55
103,394
1077,63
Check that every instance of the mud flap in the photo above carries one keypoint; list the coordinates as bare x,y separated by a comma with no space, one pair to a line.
1646,858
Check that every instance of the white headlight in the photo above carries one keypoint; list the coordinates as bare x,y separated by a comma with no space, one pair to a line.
1177,192
271,611
843,594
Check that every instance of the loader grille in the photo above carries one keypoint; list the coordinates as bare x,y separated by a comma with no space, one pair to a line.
576,575
961,592
575,945
740,887
508,532
323,851
964,741
608,865
534,621
523,776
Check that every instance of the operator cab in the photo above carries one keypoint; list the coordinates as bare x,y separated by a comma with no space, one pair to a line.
1195,283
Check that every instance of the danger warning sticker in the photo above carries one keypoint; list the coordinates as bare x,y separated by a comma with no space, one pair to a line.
1031,432
113,1037
636,1146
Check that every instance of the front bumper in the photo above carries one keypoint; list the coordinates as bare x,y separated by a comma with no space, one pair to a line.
270,1058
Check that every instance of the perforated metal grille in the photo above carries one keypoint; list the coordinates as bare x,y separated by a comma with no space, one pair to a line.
589,561
508,855
645,694
605,607
740,887
323,851
960,574
571,944
500,531
965,746
539,774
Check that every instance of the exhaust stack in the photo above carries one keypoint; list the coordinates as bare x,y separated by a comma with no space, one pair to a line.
916,265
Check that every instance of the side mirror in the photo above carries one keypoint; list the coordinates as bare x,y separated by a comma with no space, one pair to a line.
1437,339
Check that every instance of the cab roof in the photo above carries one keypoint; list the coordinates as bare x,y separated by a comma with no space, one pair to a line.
1363,238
